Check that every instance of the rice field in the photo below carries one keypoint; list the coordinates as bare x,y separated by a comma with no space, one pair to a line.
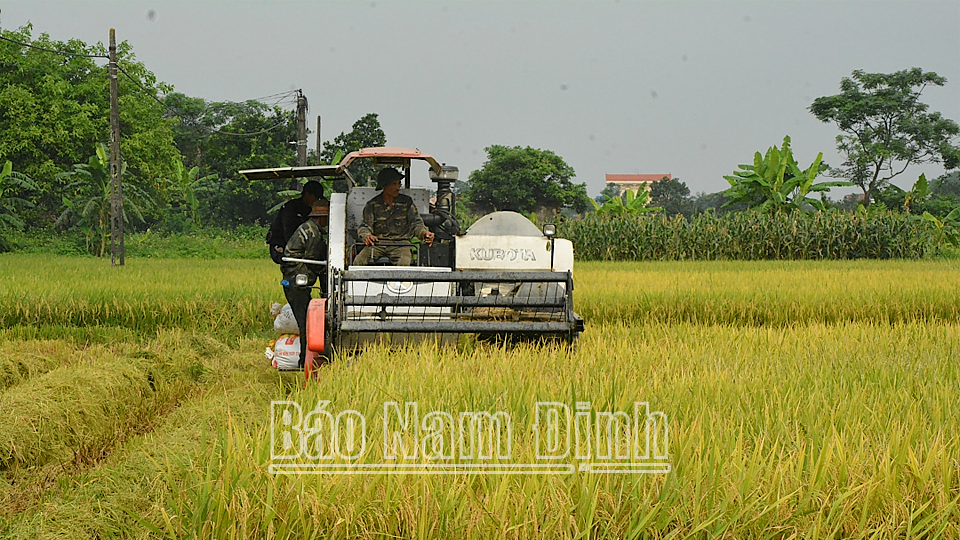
805,399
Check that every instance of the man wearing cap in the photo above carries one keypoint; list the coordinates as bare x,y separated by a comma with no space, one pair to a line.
308,242
290,216
390,218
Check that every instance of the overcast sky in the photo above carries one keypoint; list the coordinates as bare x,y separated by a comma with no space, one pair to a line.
690,88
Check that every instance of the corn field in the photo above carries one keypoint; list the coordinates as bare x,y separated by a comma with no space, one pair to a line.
750,236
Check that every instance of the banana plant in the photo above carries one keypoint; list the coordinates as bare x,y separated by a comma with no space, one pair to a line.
87,201
776,182
188,185
12,184
918,193
947,228
628,204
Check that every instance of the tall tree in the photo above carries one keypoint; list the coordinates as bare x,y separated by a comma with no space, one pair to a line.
525,180
366,133
54,111
885,127
672,195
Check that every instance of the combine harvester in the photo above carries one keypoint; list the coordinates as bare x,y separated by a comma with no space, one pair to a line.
501,279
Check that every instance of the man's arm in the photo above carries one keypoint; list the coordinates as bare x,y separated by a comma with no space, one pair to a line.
295,248
417,228
365,230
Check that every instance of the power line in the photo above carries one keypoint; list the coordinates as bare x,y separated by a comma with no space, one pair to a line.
63,53
281,96
135,81
275,126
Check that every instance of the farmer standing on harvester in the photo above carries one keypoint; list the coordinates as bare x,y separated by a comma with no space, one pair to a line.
308,242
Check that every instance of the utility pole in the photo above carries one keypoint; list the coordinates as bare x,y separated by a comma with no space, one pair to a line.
117,252
301,134
319,144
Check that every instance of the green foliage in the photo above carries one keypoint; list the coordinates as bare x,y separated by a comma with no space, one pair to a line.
366,133
87,200
524,180
948,228
609,192
56,110
628,204
885,127
222,138
186,185
672,195
776,182
12,186
750,235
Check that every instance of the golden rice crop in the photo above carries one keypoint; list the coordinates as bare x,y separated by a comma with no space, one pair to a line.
804,399
768,292
20,360
231,298
90,402
846,430
228,297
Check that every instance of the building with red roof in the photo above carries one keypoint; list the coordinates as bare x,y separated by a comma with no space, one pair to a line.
634,182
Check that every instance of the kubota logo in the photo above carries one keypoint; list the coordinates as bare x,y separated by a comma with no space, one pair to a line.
497,254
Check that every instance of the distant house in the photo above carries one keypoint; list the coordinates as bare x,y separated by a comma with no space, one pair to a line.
634,182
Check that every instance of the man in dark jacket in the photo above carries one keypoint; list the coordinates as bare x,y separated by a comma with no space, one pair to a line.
308,242
292,215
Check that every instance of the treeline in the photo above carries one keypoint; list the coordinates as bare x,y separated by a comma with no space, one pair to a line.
180,154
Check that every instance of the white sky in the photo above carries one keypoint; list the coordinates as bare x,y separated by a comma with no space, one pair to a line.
690,88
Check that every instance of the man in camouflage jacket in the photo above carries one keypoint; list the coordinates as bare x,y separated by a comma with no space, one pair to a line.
308,242
390,218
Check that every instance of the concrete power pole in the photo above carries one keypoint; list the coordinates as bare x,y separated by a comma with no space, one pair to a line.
117,252
319,144
301,135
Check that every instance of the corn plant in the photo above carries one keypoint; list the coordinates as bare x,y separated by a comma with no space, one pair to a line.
750,235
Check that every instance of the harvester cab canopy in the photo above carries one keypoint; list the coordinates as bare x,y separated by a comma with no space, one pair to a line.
380,156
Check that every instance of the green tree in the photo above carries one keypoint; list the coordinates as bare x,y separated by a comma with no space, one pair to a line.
366,133
223,138
525,180
54,110
609,192
885,127
944,195
672,195
775,181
